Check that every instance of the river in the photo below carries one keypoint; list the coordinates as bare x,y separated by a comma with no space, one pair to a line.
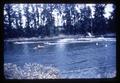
74,59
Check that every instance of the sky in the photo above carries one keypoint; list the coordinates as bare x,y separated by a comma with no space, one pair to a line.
108,9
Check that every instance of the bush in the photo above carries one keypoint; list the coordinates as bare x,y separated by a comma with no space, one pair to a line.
29,71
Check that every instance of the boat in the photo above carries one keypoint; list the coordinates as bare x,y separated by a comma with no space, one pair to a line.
39,47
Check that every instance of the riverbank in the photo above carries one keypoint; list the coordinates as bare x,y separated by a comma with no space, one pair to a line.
29,71
58,37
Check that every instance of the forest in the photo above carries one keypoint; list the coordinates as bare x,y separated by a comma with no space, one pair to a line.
48,20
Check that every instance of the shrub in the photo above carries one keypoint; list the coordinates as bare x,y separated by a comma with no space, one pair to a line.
29,71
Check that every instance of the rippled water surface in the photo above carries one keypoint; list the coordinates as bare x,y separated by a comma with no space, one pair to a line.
74,60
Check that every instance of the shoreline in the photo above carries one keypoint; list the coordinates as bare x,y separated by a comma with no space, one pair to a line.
55,38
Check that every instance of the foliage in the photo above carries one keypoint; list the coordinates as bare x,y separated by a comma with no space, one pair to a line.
29,71
39,20
99,23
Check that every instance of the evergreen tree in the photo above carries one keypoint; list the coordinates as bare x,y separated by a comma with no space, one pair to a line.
99,23
28,15
48,19
8,21
111,21
67,18
85,19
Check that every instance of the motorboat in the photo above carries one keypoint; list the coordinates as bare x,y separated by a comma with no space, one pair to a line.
39,47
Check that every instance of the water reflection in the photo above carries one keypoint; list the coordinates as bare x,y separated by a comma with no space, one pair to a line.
61,58
25,50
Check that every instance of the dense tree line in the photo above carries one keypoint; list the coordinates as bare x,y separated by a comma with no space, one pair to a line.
39,20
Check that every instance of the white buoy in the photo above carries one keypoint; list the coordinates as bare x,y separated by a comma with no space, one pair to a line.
106,45
38,46
97,43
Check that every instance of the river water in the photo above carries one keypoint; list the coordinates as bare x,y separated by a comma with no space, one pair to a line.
96,59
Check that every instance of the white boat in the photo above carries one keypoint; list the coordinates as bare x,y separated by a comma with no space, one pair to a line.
39,47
